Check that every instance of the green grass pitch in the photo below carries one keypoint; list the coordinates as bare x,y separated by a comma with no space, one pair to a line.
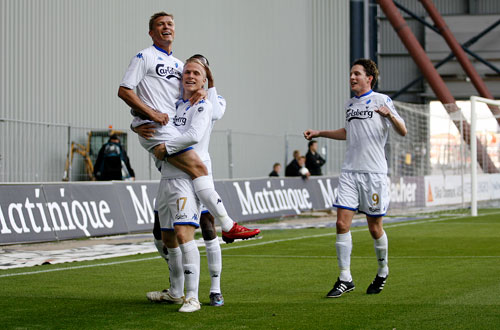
444,274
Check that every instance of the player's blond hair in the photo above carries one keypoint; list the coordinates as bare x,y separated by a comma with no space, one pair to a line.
155,16
197,61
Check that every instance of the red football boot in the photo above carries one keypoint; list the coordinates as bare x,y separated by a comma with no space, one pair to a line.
239,232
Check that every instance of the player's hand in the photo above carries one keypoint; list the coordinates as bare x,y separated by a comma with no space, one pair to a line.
159,117
197,96
160,151
210,77
146,130
384,111
310,134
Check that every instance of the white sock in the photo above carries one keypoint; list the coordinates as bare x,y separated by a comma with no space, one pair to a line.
381,251
205,190
214,258
344,248
160,247
176,272
191,265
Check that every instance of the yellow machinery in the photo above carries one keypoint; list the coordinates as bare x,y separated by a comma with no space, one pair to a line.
95,140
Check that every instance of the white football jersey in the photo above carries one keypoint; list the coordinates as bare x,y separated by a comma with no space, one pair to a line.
367,133
156,75
194,123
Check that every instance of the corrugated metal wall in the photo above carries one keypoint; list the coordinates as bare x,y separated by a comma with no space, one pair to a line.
61,62
331,67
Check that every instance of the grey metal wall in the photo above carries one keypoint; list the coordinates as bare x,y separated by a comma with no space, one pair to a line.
61,62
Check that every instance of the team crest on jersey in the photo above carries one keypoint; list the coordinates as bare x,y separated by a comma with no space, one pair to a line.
358,114
160,58
167,72
200,109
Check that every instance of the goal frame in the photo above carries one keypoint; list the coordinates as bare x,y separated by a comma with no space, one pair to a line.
473,147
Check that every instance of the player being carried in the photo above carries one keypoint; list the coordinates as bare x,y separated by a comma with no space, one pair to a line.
207,224
363,182
156,75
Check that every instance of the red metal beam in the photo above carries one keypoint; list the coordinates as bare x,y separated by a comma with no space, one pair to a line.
432,76
455,47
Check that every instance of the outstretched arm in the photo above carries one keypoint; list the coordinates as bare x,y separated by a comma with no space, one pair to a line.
338,134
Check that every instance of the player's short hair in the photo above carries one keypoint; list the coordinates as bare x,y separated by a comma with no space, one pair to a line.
311,143
296,153
370,68
155,16
201,58
276,164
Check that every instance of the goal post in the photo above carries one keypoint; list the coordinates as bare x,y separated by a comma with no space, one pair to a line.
473,147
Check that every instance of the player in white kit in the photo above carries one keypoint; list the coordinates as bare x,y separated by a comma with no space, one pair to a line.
363,184
207,224
178,206
156,74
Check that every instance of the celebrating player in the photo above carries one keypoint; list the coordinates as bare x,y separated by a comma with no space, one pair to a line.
207,224
178,206
363,182
156,75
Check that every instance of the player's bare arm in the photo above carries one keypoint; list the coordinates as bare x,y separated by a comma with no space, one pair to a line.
398,125
131,98
338,134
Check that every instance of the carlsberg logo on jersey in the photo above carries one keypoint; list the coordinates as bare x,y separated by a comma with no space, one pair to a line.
358,114
179,121
167,72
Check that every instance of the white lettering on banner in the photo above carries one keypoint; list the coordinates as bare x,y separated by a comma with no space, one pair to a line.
18,207
402,192
29,206
266,201
328,194
75,212
144,211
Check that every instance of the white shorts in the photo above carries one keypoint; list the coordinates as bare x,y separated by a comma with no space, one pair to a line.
177,204
364,192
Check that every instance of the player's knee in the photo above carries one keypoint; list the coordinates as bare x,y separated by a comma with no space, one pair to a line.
199,169
207,225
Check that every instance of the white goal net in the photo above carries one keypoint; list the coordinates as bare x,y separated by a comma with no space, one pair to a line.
450,169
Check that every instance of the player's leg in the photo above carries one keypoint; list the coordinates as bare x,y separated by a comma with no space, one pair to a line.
186,211
162,249
347,203
164,225
191,266
214,257
375,204
190,163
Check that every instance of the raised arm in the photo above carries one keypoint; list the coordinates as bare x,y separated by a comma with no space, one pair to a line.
398,124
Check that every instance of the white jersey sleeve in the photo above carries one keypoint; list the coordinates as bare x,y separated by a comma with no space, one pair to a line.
218,104
135,72
200,121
